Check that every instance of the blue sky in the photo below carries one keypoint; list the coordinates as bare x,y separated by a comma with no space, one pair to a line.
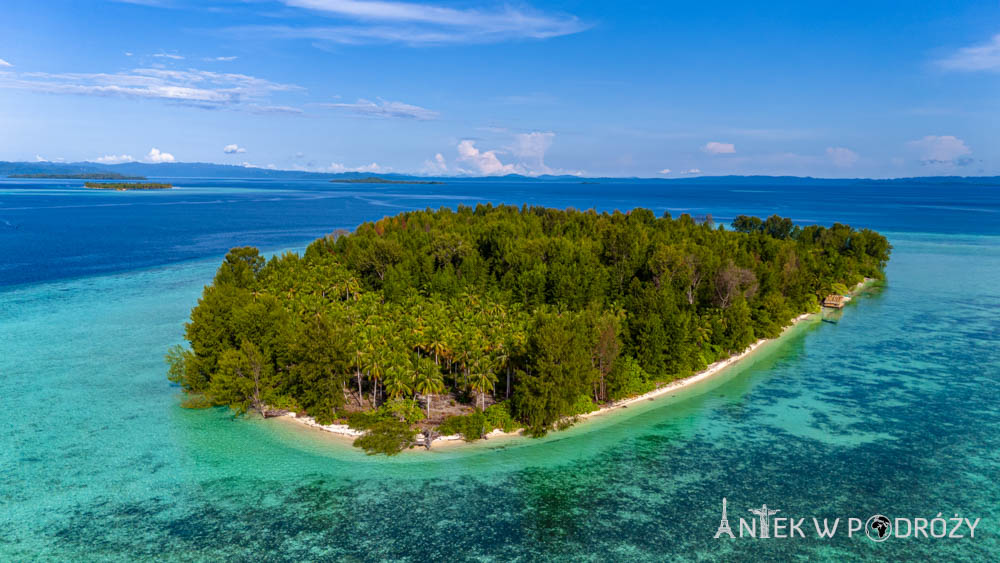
848,89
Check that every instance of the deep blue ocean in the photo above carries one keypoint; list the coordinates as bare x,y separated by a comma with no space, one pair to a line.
892,410
53,229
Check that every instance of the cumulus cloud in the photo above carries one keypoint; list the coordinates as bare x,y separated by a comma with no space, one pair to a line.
224,59
436,166
382,21
483,162
115,158
945,150
976,58
40,158
665,171
383,108
531,149
528,151
373,167
841,156
719,148
199,88
156,156
4,63
233,149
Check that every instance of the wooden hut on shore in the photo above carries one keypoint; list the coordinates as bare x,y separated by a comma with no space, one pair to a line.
835,301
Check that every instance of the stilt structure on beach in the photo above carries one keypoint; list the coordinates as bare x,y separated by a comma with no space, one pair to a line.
833,307
835,301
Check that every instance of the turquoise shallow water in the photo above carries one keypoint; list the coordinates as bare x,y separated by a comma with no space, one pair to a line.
891,410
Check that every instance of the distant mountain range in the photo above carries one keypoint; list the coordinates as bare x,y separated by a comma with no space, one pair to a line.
208,170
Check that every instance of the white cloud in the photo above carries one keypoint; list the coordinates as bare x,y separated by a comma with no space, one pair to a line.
664,171
168,56
383,108
528,148
4,63
156,156
979,57
233,149
941,150
366,21
114,159
373,167
485,162
841,156
436,166
277,110
531,149
719,148
40,158
692,171
199,88
224,59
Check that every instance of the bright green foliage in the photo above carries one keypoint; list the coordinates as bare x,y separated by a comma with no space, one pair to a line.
584,404
245,379
537,305
627,379
196,402
471,426
499,416
561,371
178,359
388,429
477,424
402,410
428,380
387,437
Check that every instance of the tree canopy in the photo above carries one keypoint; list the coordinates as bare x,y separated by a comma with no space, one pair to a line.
543,313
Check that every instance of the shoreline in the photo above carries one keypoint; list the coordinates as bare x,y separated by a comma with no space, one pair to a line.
345,432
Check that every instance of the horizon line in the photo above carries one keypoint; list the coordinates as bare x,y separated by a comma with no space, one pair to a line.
354,173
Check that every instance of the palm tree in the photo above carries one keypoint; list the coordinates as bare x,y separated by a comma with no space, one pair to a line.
397,382
436,343
428,381
351,286
376,367
483,378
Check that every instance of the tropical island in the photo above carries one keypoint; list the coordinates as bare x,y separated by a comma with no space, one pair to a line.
486,319
377,180
126,186
88,176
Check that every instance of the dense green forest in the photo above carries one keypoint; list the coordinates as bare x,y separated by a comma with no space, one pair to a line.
499,317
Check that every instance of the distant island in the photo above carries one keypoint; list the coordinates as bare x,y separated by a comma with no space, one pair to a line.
491,319
90,176
210,170
377,180
126,186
